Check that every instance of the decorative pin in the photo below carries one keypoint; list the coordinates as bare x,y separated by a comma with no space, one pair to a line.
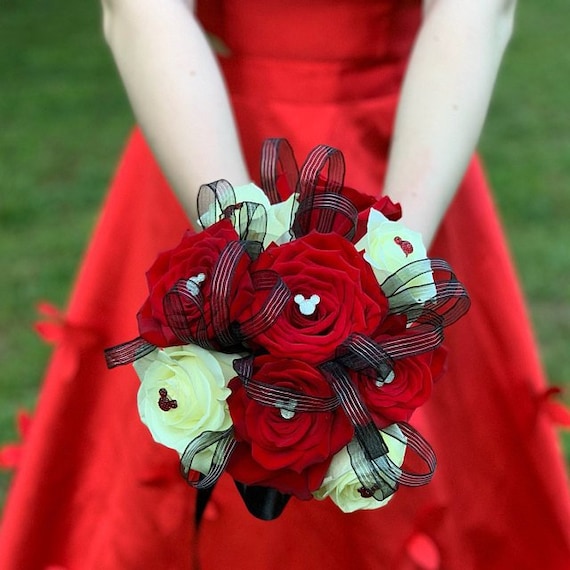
193,284
286,408
405,245
388,380
366,493
165,403
307,307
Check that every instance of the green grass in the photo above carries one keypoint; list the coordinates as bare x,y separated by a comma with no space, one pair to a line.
64,118
526,146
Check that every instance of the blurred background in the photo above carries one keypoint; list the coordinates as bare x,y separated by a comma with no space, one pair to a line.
64,119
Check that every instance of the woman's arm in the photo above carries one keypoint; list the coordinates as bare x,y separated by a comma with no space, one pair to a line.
443,104
176,92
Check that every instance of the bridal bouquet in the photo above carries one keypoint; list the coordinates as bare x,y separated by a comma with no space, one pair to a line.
290,341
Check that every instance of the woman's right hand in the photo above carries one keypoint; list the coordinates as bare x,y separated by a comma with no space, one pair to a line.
176,92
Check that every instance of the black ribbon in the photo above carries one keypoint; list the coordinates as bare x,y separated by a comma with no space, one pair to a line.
263,503
278,159
322,207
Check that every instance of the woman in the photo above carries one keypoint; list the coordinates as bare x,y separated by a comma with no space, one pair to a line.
95,492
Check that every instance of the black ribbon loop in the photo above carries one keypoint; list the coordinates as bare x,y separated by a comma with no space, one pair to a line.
419,338
360,352
365,431
320,158
221,288
279,397
217,201
321,206
368,451
450,301
424,451
278,159
176,306
213,201
127,352
250,221
278,296
225,444
181,301
377,482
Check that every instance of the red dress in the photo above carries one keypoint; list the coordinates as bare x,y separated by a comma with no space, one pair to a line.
94,491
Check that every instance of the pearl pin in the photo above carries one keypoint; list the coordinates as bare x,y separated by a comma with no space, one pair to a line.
193,284
388,380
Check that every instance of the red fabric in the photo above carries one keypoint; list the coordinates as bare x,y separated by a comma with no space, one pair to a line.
94,492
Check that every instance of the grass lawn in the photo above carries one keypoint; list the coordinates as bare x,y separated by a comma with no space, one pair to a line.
64,119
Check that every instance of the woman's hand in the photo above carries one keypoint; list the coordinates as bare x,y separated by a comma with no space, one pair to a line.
444,101
176,92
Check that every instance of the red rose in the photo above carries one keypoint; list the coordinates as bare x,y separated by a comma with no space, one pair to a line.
411,386
385,206
243,468
193,259
333,293
310,218
284,437
393,211
363,203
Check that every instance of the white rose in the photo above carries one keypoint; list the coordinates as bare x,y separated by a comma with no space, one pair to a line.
183,393
246,193
278,215
341,483
389,246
